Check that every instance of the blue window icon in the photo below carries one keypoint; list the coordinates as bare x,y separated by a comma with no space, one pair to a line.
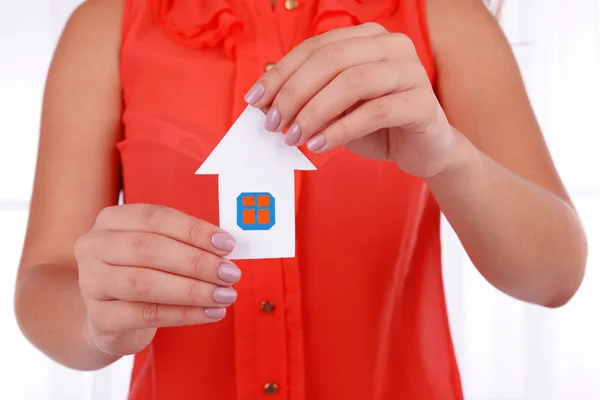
255,211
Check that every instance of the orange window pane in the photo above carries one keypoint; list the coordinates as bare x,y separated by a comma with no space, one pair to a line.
249,217
263,217
248,200
264,201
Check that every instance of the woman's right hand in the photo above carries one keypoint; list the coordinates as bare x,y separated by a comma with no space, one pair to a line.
146,266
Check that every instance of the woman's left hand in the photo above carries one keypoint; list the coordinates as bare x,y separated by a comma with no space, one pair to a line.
363,88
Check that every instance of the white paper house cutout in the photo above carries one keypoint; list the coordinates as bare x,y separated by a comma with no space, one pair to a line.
256,187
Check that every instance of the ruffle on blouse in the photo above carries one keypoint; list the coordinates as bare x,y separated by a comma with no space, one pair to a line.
334,14
198,24
210,23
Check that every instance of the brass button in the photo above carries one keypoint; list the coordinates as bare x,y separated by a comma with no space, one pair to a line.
267,306
290,4
271,388
269,66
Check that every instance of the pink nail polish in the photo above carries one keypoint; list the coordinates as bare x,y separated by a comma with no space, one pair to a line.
229,273
316,143
215,313
255,93
293,134
225,295
223,241
273,119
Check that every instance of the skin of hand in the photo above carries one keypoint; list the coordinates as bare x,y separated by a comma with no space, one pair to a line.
142,267
365,88
360,87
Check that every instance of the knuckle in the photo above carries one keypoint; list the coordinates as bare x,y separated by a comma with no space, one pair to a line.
184,315
151,313
378,110
403,41
144,247
84,245
198,261
192,293
342,128
314,42
277,71
87,285
106,216
151,215
190,315
289,91
196,232
91,281
138,283
311,113
333,52
353,78
374,27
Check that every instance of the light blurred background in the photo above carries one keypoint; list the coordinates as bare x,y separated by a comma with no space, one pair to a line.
506,350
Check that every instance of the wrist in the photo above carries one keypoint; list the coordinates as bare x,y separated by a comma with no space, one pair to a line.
464,160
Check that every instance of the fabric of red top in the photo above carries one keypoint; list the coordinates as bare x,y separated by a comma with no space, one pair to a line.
360,313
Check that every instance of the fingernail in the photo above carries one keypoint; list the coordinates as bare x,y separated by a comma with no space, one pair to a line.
223,241
273,119
293,134
316,143
229,273
255,93
215,313
224,295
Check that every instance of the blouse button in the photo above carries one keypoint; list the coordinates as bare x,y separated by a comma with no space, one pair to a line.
269,66
290,4
267,306
271,388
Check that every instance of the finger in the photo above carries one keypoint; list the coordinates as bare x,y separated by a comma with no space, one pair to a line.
352,86
167,222
141,249
324,65
120,316
404,109
264,91
151,286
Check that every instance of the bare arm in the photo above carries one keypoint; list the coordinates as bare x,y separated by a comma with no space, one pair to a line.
77,176
505,199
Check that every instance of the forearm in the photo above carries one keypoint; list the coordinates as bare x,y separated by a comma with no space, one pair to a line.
523,239
52,315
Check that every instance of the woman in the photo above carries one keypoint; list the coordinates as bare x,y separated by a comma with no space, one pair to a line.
422,110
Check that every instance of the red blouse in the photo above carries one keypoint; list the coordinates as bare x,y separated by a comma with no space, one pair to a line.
360,312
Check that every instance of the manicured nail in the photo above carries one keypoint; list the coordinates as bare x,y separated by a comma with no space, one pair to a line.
273,119
316,143
215,313
224,295
229,273
223,241
293,134
255,93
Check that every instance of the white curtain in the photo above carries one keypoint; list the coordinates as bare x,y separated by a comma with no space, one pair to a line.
506,350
